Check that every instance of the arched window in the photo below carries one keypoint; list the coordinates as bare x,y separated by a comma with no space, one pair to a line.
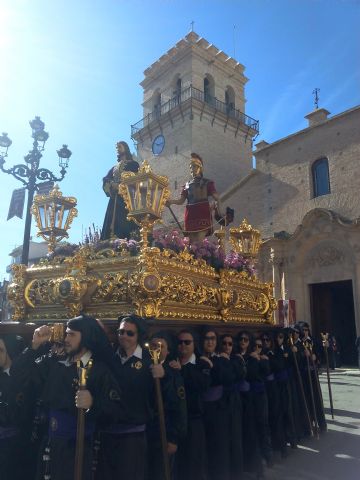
157,104
209,89
230,100
320,177
178,86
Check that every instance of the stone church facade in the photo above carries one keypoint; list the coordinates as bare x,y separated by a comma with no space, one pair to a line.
303,194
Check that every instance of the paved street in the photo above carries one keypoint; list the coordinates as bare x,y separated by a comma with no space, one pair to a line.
337,454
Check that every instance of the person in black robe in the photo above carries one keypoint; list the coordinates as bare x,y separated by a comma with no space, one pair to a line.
56,380
301,405
195,370
234,407
174,401
116,223
216,412
135,374
277,430
310,360
281,370
251,444
14,424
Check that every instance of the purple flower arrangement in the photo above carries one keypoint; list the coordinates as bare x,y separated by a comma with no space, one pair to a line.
172,240
238,262
208,250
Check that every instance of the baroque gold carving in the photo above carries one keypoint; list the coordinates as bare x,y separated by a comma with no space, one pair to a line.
16,291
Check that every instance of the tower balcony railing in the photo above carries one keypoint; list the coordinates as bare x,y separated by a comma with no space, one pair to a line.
203,97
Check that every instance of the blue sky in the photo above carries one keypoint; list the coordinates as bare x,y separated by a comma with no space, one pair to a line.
77,64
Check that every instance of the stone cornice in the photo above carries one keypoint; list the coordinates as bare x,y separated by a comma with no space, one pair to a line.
339,116
196,43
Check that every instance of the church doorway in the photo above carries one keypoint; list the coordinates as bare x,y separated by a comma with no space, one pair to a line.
332,310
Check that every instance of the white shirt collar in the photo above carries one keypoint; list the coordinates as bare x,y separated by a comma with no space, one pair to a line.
7,371
84,359
192,360
137,353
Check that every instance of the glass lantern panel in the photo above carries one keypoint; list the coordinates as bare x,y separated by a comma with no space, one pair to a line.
131,190
50,216
65,219
57,216
42,215
247,244
143,188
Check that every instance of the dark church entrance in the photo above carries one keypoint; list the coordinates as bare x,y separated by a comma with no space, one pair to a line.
332,310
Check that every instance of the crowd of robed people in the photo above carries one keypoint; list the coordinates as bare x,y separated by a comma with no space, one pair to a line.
232,403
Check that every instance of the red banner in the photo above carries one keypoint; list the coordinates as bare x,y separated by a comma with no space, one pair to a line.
287,312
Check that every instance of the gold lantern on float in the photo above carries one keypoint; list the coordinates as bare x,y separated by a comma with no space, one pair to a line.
53,214
144,194
245,239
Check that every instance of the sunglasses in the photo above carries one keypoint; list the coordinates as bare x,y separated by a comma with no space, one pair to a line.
258,345
210,338
281,336
185,342
129,333
266,339
305,329
227,343
243,339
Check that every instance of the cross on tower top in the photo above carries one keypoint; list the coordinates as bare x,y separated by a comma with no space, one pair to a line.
316,99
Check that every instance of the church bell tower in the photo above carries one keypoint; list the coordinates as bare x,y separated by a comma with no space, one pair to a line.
194,101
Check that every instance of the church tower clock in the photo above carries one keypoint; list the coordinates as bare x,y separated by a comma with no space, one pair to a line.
194,101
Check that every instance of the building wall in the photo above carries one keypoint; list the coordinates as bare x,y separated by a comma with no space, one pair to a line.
282,191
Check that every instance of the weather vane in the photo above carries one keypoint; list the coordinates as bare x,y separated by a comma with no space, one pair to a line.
192,25
316,99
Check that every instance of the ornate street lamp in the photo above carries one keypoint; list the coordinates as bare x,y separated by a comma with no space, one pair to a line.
245,239
145,195
53,214
28,174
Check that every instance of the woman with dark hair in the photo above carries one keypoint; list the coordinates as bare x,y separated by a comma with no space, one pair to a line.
234,407
116,223
216,415
195,371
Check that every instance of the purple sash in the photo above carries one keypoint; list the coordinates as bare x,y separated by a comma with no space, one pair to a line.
242,386
213,393
8,432
257,387
63,424
121,428
282,376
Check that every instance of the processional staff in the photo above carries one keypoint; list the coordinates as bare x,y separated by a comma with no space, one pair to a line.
83,373
155,356
325,343
317,381
307,355
301,385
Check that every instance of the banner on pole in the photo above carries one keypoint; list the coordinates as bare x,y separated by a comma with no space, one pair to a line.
287,313
44,188
16,207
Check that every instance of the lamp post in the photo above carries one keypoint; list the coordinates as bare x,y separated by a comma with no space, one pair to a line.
28,174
